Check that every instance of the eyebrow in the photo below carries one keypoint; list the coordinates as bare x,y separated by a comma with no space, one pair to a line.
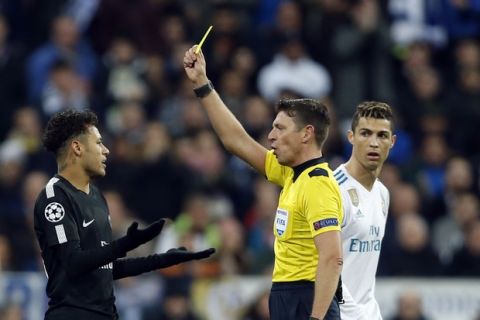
370,130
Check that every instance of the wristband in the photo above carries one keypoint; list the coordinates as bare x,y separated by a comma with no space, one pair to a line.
204,90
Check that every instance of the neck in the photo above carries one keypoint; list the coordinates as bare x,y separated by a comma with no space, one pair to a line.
364,176
77,177
305,156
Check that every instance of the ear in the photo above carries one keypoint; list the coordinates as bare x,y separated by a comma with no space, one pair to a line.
308,133
76,147
350,136
394,139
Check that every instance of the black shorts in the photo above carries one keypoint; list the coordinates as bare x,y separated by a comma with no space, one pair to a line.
294,300
72,313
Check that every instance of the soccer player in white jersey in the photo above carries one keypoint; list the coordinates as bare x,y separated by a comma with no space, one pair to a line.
365,205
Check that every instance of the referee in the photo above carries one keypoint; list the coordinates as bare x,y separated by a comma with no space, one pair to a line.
72,225
308,252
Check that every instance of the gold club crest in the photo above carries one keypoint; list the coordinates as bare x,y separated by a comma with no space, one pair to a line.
353,196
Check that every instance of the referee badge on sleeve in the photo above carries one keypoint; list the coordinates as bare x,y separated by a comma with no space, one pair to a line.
54,212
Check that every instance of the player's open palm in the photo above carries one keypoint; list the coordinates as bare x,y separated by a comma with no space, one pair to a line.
195,66
178,255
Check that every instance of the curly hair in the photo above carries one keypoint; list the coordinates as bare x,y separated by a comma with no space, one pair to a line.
65,125
372,109
307,111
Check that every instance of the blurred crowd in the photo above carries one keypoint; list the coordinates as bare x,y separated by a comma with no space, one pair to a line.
123,60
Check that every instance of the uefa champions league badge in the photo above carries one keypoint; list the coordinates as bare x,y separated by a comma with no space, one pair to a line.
281,221
54,212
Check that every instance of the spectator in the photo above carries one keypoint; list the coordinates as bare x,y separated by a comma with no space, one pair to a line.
286,18
65,44
121,77
413,255
231,254
448,231
64,89
361,65
458,179
12,81
409,307
294,70
466,261
259,224
467,90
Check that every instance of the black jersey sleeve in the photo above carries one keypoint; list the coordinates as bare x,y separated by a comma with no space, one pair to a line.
55,216
79,261
131,267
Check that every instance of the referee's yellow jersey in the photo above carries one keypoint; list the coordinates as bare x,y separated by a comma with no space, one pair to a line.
309,204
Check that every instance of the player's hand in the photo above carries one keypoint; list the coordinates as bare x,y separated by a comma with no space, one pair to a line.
137,237
178,255
195,67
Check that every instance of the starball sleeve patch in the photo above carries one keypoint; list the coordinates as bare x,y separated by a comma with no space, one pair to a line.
54,212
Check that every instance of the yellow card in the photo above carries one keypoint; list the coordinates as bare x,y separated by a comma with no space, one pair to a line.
197,50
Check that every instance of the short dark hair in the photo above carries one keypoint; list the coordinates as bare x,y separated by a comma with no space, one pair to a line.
65,125
307,111
372,109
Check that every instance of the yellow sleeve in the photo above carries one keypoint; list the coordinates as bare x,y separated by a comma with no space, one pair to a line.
323,205
276,173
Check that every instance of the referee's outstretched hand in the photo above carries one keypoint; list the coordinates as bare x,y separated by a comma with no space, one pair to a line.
136,237
178,255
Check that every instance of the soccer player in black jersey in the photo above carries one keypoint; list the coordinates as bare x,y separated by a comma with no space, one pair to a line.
72,225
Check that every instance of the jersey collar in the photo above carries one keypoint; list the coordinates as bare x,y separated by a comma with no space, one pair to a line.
297,170
71,186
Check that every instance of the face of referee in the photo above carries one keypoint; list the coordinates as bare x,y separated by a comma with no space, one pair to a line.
95,153
286,139
371,141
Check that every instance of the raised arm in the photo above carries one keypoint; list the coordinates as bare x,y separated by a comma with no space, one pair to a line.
232,134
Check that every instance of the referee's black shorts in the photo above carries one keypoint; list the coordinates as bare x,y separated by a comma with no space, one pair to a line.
294,300
72,313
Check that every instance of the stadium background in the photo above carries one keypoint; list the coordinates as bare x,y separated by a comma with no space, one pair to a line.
123,59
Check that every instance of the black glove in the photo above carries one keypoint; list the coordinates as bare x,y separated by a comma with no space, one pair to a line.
136,237
131,267
178,255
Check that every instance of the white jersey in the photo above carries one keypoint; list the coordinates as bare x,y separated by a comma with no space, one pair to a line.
365,215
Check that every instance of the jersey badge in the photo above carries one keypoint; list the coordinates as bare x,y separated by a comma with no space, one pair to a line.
54,212
281,221
354,196
325,223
